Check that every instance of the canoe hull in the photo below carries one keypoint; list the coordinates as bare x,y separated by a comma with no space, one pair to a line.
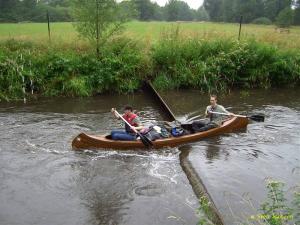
85,141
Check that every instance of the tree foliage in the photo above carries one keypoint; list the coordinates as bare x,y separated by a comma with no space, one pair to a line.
32,10
201,14
231,10
147,10
285,18
297,12
98,20
214,9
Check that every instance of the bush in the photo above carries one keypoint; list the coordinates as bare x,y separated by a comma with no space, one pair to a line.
221,64
262,20
172,62
285,18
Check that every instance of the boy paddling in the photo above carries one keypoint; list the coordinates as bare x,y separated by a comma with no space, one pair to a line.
130,133
215,120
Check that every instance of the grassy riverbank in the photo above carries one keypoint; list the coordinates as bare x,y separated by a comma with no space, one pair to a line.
173,60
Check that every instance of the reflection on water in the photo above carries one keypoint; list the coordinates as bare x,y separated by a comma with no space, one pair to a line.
44,182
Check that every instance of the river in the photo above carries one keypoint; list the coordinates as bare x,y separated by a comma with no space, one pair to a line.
42,181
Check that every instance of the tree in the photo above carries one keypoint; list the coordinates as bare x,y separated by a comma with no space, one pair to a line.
145,9
171,10
201,14
274,7
214,9
29,4
158,12
184,12
297,12
285,18
97,20
259,8
54,3
249,9
129,8
8,4
9,10
228,11
178,10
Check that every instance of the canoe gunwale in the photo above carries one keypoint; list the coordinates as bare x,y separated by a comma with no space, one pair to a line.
86,141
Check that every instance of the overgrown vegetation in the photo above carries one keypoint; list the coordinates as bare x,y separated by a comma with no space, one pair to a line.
174,61
218,65
205,211
275,210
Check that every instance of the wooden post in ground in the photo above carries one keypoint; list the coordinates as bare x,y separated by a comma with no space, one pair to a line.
48,21
97,27
241,21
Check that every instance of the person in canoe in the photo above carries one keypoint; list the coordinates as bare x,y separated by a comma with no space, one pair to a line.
215,120
130,133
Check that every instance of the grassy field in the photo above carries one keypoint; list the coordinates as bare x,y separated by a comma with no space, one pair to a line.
64,33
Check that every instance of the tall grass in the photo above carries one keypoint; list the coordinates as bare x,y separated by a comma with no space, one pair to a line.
67,73
64,34
220,64
173,61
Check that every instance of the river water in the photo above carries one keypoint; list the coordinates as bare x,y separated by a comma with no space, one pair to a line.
42,181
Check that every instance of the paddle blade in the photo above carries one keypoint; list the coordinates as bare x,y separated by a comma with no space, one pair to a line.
257,118
146,141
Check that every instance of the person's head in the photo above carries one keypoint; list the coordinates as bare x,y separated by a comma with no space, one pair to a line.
213,100
128,109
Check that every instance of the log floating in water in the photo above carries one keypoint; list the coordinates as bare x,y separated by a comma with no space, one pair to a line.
148,87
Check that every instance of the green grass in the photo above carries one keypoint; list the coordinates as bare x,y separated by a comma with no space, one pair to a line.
64,33
205,56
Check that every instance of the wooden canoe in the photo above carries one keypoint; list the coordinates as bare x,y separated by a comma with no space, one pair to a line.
85,141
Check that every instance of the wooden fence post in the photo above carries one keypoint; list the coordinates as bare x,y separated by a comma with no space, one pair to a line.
48,20
241,21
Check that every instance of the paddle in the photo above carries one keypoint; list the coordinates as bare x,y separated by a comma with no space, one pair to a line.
257,118
195,117
148,143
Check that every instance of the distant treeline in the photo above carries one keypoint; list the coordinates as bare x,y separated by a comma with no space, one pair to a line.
253,11
34,11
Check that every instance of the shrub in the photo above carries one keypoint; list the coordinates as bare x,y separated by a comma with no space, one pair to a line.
262,20
285,18
172,62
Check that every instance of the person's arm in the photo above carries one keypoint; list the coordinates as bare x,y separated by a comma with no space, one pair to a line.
113,111
139,124
225,111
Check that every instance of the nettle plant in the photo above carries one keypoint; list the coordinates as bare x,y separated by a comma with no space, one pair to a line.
275,210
